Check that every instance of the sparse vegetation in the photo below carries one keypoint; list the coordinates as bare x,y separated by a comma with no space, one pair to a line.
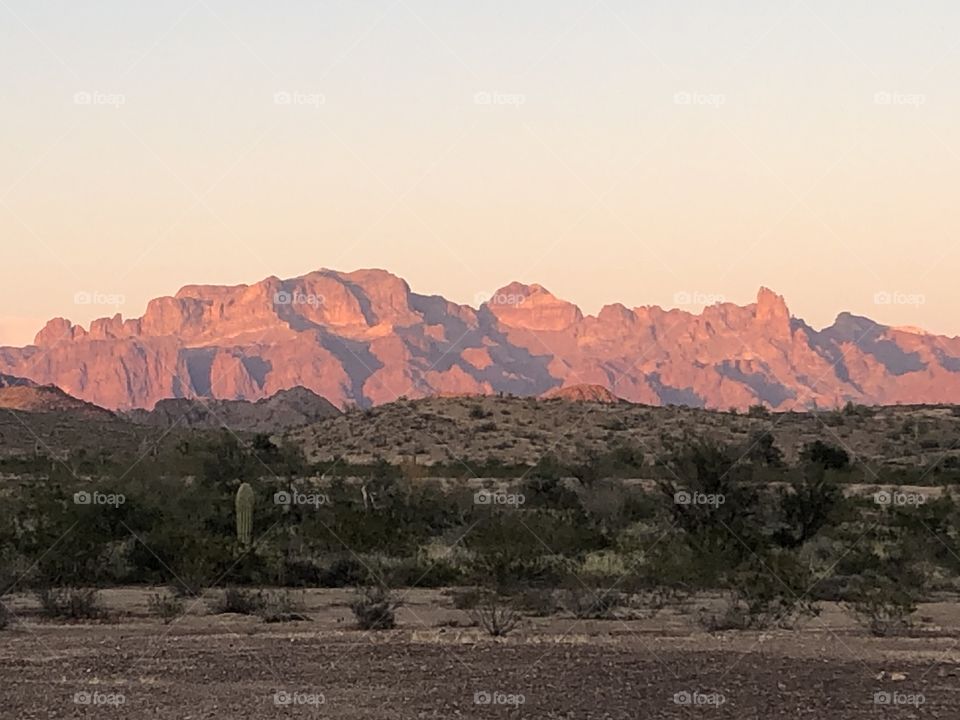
375,608
166,606
281,606
496,615
239,601
70,603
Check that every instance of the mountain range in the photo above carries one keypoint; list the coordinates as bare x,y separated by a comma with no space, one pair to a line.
365,338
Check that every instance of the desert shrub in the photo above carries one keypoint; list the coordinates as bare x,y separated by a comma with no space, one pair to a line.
70,603
771,592
826,455
301,573
496,615
467,598
883,605
5,616
168,607
586,603
344,572
806,508
539,602
281,606
239,601
375,608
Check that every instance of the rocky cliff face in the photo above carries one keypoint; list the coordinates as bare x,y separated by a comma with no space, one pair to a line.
365,338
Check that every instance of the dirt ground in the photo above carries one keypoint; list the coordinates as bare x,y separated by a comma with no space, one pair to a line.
435,666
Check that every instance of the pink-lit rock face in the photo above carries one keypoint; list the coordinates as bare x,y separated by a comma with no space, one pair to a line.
364,337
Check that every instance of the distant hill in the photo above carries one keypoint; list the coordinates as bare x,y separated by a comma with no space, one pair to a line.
16,394
364,338
284,410
517,431
7,381
582,393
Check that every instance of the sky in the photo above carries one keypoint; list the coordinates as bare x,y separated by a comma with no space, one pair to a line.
671,153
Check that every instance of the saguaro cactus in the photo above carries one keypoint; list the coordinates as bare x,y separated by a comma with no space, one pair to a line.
244,504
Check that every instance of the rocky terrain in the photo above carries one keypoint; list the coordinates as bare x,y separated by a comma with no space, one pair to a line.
522,430
26,396
284,410
435,666
572,425
365,338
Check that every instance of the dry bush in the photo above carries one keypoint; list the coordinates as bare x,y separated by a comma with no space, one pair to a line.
71,603
239,601
375,608
496,615
586,603
281,606
165,606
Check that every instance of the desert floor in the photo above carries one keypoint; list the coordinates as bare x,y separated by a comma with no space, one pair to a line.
435,666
